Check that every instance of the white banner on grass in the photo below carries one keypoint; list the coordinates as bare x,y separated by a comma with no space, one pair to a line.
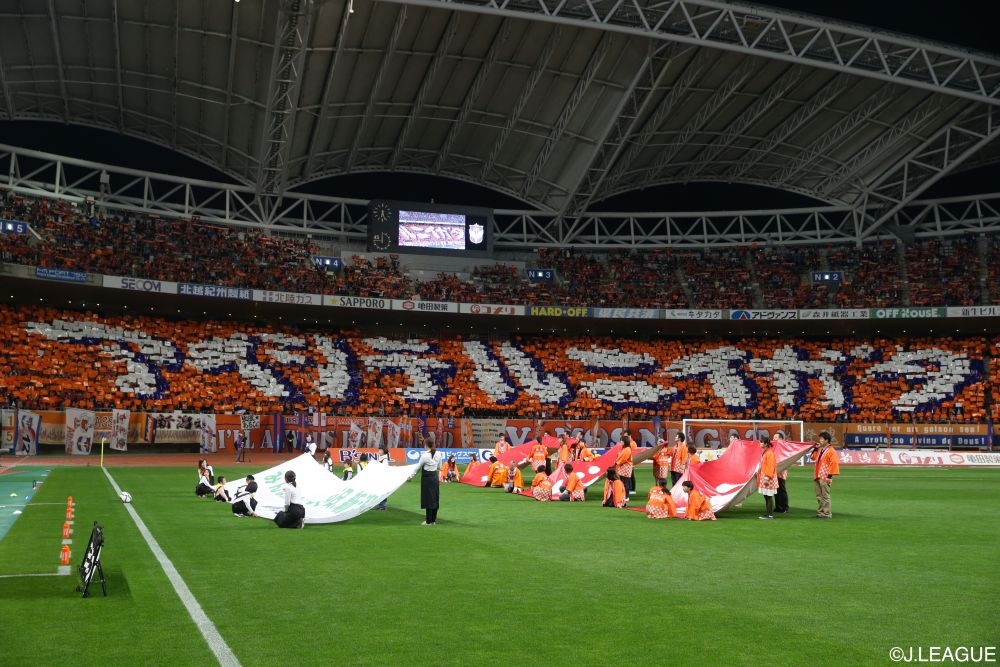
79,432
327,498
119,430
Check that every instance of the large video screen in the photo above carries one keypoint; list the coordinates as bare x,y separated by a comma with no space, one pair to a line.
423,229
429,229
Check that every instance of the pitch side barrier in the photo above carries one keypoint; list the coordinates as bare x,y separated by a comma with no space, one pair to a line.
242,294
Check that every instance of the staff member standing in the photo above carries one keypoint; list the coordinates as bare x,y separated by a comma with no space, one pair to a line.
430,485
827,465
294,513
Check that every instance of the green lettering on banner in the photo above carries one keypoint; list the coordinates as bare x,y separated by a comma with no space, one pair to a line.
906,313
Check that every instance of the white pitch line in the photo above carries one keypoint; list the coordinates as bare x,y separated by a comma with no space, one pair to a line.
40,574
219,647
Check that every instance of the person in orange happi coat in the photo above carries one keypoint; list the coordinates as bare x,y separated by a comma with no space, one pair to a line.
678,458
575,490
661,464
693,456
767,476
564,450
514,483
539,456
473,460
497,474
614,491
502,445
698,506
583,452
827,465
623,465
449,470
660,504
541,487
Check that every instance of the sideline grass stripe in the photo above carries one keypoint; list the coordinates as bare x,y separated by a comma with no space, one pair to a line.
216,643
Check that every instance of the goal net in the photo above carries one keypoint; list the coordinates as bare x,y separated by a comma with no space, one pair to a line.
715,433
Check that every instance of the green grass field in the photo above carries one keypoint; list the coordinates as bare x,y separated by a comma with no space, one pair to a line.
910,559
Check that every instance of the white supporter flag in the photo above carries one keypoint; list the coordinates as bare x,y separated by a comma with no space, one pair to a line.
208,441
354,438
79,432
119,430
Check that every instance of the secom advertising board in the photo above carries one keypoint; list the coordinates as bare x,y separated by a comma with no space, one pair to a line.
140,284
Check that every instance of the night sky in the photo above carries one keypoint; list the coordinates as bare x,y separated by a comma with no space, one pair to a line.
968,23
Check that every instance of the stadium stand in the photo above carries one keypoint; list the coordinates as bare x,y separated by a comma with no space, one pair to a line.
60,359
926,273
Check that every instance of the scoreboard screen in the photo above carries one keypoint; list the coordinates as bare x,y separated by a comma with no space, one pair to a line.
429,229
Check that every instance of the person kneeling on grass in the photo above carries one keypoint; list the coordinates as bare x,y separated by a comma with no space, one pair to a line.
541,487
449,471
614,491
699,508
497,474
221,494
660,504
244,504
204,487
575,490
294,513
514,483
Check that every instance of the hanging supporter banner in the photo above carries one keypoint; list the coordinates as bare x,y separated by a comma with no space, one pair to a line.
140,284
8,424
490,309
835,314
374,432
394,431
690,314
368,302
732,477
207,432
919,458
172,428
26,431
79,431
354,440
627,313
468,440
215,291
119,430
295,298
424,306
327,499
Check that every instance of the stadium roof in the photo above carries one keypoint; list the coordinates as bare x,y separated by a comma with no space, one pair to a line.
558,103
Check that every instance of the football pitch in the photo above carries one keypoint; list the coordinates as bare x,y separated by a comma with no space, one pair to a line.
909,560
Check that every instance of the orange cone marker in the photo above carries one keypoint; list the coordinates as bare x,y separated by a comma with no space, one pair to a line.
64,555
66,531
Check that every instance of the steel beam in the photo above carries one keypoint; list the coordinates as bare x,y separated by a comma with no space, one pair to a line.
470,97
376,84
57,51
768,33
930,162
327,88
559,127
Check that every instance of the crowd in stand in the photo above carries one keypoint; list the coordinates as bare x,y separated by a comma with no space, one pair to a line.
56,359
880,274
